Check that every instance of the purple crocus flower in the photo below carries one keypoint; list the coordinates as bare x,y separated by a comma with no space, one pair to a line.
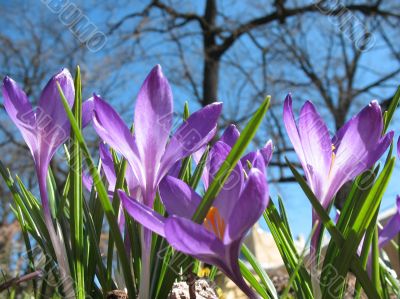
47,127
218,239
328,162
44,129
151,153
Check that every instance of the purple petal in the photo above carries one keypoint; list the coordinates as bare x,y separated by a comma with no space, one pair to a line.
87,181
228,197
87,111
233,270
267,151
175,169
153,122
131,181
360,121
51,118
253,201
178,198
109,171
193,239
391,228
143,214
258,159
112,130
20,111
107,164
317,147
259,162
291,128
193,134
230,136
217,156
398,147
358,146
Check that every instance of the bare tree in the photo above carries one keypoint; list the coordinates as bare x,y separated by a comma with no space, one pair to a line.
241,52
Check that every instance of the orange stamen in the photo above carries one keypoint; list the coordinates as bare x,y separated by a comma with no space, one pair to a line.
215,223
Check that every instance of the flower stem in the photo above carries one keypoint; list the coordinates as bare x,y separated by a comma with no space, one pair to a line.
59,249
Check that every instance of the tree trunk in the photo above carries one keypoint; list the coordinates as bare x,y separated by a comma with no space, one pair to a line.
210,81
211,57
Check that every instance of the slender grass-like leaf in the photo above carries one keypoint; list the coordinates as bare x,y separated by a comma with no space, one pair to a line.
375,269
184,172
282,212
365,251
253,281
288,252
298,267
355,262
103,196
75,195
95,260
361,223
392,108
267,283
198,172
119,184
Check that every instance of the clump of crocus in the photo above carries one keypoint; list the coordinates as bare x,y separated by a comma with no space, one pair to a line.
237,207
44,130
151,153
328,162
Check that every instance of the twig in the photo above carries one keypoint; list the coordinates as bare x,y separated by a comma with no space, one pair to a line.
18,280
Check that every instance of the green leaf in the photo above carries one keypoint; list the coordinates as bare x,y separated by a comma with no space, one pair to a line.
95,261
298,267
198,172
229,164
288,252
392,108
252,280
282,212
184,172
336,235
119,184
267,283
110,213
375,263
76,195
365,251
